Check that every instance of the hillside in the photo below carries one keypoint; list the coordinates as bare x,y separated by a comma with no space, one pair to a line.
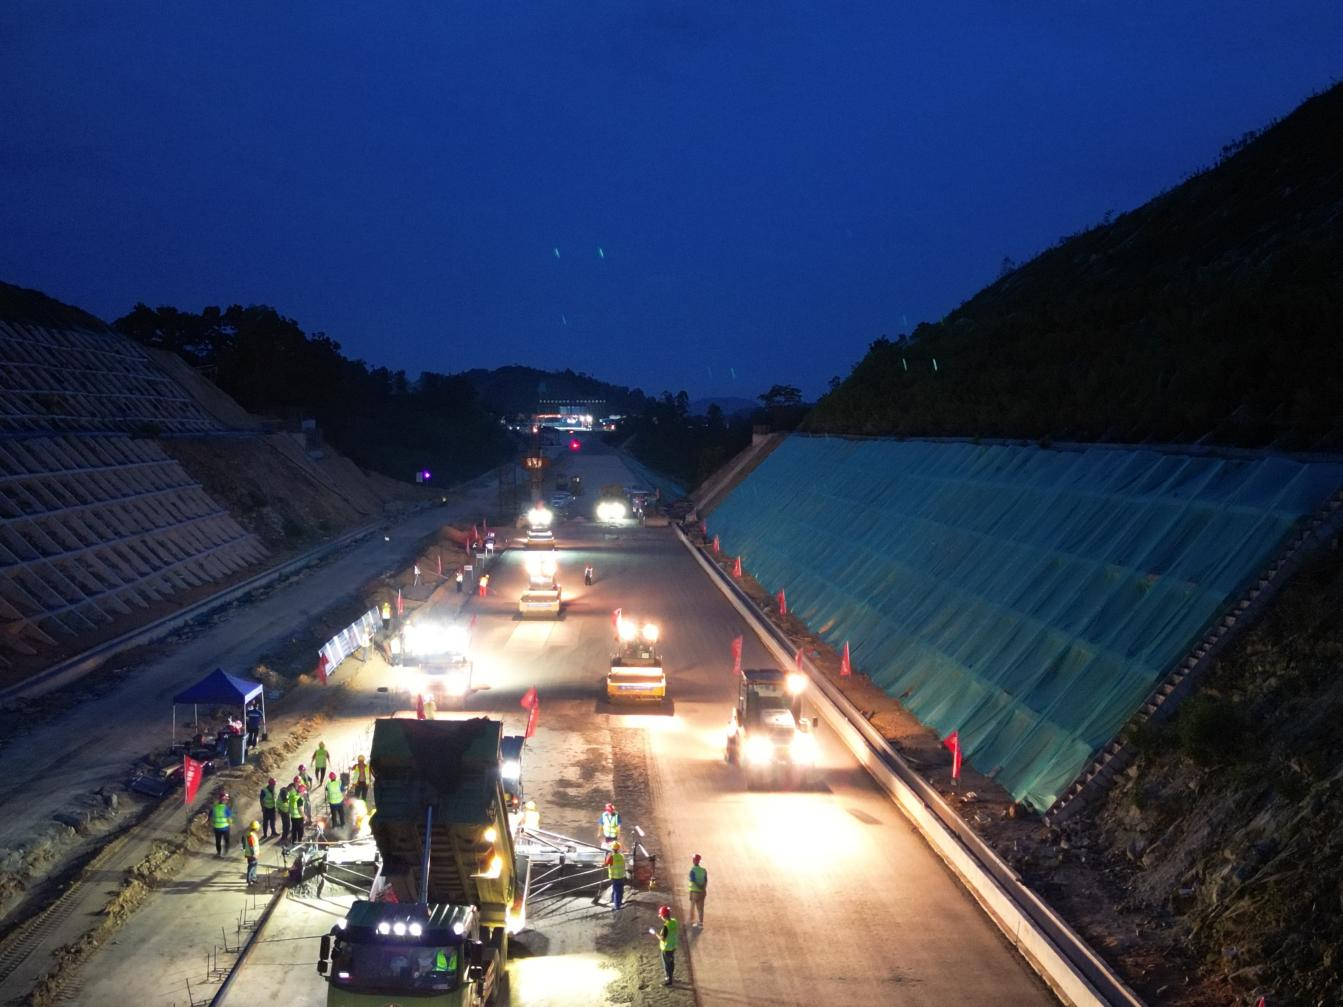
1210,313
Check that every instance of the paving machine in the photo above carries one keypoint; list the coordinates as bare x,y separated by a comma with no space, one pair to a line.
540,534
541,598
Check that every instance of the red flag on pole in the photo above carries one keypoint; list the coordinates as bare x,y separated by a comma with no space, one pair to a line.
845,667
192,771
322,663
533,715
783,602
528,699
736,567
953,742
798,658
736,655
400,605
716,545
419,707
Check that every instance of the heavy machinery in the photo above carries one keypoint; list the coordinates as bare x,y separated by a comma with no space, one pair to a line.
539,532
636,667
435,663
542,594
445,890
766,735
612,506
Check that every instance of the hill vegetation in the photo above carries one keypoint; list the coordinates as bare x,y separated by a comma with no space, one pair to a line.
1210,313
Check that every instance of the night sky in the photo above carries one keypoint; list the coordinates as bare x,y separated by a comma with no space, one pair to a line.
710,195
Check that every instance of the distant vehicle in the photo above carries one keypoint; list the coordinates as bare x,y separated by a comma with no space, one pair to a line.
765,735
560,500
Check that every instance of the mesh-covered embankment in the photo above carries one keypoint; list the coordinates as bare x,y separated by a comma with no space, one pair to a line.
1030,599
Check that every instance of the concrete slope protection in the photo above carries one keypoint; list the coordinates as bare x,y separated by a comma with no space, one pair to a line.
1029,599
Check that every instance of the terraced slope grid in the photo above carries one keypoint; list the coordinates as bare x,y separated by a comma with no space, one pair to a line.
1030,599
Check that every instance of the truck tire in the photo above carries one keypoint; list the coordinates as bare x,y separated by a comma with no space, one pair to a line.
499,941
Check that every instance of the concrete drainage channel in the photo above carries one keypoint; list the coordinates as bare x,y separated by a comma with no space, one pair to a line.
1076,974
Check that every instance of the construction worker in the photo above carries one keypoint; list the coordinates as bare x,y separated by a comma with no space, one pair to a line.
587,575
699,887
484,584
386,614
365,645
282,809
417,576
221,815
459,578
609,825
304,783
667,936
320,758
335,798
531,818
253,724
430,708
268,808
296,812
362,777
250,844
615,874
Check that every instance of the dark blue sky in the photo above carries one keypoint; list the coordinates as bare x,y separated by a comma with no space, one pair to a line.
774,185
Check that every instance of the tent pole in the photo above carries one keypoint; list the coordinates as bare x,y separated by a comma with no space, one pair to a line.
174,725
264,727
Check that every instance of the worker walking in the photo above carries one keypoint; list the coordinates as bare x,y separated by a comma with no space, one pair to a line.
268,809
250,850
668,938
335,799
296,812
320,758
459,578
587,575
221,815
386,615
361,779
699,887
365,646
484,584
615,874
417,576
609,825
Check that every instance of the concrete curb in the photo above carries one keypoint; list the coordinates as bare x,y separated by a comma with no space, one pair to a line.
77,667
1076,974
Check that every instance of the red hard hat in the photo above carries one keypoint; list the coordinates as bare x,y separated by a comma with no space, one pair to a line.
696,858
664,911
610,807
331,775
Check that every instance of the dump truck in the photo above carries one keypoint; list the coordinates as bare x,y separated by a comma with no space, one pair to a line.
766,735
435,663
636,672
445,894
541,597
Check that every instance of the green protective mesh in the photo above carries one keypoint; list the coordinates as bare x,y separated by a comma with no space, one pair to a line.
1030,599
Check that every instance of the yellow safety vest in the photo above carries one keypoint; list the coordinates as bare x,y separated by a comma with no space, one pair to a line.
219,815
615,870
699,877
667,939
333,793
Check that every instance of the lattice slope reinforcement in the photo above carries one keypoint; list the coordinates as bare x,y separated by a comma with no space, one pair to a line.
1030,599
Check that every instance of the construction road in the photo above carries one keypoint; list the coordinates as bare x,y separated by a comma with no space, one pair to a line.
826,895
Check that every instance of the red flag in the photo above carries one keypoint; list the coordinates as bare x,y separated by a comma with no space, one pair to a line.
736,655
783,602
322,663
736,567
532,716
798,658
192,771
400,605
845,667
716,545
419,707
953,742
528,698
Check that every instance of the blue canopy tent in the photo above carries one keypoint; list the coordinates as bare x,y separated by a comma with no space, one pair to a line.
219,688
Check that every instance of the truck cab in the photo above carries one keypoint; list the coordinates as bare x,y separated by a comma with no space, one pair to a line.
765,734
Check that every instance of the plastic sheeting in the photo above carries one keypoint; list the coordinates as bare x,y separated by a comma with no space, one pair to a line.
1030,599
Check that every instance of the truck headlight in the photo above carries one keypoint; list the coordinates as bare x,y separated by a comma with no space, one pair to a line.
511,769
759,751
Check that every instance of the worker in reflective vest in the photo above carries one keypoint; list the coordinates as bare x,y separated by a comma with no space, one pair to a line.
250,844
319,760
335,798
268,809
667,941
362,778
221,814
386,614
610,824
304,782
296,811
699,887
282,809
615,875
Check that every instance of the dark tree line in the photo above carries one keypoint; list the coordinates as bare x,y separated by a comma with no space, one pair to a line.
380,418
